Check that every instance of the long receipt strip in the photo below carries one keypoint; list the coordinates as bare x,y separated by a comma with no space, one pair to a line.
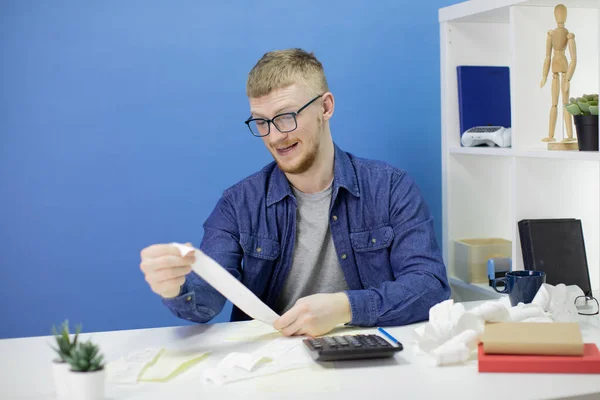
226,284
282,354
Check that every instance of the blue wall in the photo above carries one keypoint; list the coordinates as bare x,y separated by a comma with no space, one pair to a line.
122,122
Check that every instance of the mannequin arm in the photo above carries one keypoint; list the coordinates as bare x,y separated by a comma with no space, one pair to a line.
546,67
573,54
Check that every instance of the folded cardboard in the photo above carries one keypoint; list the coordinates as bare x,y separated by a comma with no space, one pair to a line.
534,338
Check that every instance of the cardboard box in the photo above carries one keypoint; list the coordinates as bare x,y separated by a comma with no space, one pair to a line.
533,338
471,257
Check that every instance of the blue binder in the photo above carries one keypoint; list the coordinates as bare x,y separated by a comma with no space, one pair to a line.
483,96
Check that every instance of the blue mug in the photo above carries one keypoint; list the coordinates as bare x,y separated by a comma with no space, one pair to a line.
521,286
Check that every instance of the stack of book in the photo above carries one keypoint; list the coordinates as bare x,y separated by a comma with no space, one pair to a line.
536,347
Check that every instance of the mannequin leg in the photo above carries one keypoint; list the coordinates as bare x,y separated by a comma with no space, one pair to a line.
553,110
566,115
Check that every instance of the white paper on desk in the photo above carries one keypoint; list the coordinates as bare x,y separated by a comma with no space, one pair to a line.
127,369
268,353
280,355
226,284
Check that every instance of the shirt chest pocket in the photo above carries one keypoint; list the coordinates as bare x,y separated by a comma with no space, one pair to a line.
372,253
260,257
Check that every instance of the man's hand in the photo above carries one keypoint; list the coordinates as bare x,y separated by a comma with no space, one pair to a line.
543,82
165,269
315,315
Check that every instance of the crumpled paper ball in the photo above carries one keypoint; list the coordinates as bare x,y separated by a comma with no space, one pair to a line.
453,333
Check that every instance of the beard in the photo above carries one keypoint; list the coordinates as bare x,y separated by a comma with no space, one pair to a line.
305,160
304,163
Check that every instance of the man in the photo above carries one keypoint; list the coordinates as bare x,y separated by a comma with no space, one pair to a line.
321,236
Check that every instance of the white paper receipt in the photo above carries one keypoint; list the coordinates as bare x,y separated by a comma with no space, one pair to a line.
226,284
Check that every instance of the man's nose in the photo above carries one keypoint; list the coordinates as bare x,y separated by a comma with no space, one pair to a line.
275,134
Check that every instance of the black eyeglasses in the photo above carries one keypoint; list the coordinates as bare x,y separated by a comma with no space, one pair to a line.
581,303
284,123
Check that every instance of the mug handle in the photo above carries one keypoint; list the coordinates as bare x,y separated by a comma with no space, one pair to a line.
500,280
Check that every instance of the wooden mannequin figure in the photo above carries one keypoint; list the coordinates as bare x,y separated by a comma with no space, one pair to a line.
562,70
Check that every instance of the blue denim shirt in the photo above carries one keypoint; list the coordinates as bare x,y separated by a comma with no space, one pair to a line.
381,227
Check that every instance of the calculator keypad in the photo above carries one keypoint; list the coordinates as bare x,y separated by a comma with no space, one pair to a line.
331,348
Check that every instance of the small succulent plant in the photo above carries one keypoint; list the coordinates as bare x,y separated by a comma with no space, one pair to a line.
86,357
64,345
584,105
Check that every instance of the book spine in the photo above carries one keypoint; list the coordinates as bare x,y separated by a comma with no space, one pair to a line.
544,349
563,367
588,364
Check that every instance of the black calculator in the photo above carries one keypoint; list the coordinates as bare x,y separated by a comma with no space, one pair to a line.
350,347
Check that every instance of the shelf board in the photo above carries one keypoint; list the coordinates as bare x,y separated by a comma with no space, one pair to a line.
567,3
477,11
497,11
484,150
560,154
529,153
482,288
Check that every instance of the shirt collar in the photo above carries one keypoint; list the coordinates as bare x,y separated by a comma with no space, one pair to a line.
343,176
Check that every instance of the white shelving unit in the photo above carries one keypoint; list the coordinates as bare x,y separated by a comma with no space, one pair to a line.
486,191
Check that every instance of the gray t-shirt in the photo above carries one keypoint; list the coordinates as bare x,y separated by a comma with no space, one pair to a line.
315,266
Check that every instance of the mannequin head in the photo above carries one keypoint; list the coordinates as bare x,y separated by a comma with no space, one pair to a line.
560,14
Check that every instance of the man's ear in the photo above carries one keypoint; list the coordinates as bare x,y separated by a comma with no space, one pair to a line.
328,106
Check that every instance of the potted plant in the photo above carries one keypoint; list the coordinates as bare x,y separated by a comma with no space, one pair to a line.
87,372
60,366
585,116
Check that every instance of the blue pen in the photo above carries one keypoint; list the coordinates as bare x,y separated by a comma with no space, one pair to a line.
393,339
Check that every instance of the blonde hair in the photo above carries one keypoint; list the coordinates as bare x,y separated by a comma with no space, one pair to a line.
280,68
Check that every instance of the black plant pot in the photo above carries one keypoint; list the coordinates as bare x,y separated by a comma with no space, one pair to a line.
587,132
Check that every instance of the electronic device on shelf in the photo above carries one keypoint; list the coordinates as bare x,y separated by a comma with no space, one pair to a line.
486,135
350,347
483,96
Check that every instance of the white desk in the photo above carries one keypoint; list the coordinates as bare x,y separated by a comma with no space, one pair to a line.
25,372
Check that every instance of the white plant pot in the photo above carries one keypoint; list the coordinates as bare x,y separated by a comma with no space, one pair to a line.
87,385
61,374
